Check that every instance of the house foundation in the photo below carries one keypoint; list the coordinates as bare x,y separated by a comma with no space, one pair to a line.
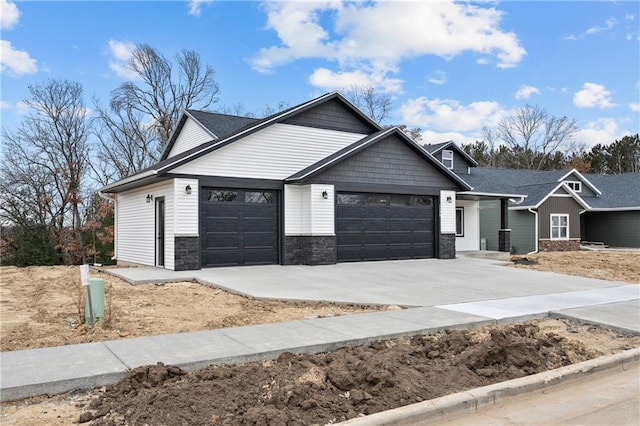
559,245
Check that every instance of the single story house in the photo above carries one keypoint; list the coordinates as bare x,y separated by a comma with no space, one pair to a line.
318,183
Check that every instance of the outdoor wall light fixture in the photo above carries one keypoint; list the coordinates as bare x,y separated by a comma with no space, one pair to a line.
325,194
449,199
188,189
149,198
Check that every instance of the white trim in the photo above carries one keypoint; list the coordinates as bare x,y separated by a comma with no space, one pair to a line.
537,238
130,179
615,209
461,208
200,124
583,179
551,194
575,183
448,151
551,226
492,194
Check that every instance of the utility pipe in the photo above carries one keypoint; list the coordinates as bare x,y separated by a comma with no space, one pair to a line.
535,213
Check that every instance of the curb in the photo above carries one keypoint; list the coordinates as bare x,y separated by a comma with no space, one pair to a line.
473,399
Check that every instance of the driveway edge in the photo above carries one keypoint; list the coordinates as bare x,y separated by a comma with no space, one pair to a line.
473,399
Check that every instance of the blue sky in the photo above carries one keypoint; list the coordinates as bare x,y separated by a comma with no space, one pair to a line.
450,68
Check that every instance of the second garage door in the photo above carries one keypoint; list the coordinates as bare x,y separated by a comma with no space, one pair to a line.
238,227
384,226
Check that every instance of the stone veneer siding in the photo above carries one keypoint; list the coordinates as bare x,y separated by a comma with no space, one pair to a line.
504,240
559,245
307,250
187,253
447,248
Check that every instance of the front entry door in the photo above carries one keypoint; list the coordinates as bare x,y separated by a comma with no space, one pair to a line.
160,231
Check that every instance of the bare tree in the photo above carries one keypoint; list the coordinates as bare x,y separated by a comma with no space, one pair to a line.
45,162
374,104
126,144
532,134
164,92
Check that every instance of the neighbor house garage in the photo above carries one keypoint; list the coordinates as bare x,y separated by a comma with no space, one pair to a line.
318,183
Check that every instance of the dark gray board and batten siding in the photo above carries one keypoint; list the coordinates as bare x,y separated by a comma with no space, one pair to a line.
559,205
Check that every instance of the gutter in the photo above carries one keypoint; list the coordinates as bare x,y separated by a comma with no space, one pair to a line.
535,213
115,216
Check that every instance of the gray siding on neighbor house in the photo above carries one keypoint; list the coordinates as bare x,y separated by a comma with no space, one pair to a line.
490,222
616,229
559,205
388,162
332,115
523,231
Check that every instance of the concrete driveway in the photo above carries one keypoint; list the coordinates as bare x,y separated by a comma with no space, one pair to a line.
428,282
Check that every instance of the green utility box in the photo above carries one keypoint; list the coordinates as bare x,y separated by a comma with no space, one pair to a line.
96,288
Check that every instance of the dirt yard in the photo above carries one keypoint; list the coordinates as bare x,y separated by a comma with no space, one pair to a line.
326,388
605,265
43,306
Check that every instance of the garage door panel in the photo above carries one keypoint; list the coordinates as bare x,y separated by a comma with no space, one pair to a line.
240,227
386,226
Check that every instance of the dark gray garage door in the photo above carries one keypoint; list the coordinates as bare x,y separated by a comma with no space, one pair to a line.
238,227
384,226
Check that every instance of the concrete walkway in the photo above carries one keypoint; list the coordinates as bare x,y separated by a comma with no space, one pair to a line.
463,293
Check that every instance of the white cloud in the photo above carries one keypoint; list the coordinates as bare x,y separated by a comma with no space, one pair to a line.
602,130
122,52
329,80
635,107
450,115
437,77
593,96
378,36
9,14
16,62
608,25
195,6
525,92
5,105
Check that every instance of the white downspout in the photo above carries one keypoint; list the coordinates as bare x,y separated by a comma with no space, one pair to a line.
115,223
535,213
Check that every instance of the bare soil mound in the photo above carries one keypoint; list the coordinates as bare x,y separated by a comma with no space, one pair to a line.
336,386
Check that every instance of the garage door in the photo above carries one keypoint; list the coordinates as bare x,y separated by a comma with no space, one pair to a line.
238,227
384,226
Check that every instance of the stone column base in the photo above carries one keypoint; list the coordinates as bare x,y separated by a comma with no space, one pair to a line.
308,250
504,240
447,248
187,253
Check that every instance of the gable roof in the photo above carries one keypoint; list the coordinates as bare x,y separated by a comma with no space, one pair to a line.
165,165
219,126
366,142
613,191
437,147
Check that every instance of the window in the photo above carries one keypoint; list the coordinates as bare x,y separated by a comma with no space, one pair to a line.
344,198
459,221
222,196
559,226
575,185
447,158
258,197
423,201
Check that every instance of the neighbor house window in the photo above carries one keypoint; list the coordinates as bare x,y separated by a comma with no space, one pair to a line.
459,221
575,185
559,226
447,158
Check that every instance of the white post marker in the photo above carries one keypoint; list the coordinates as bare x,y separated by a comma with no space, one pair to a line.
84,277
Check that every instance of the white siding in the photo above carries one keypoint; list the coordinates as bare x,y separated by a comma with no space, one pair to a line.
471,239
276,152
191,135
136,225
306,212
293,209
322,211
447,212
186,208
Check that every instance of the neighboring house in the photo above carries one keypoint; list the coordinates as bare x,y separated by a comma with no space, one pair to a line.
561,208
318,183
469,203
